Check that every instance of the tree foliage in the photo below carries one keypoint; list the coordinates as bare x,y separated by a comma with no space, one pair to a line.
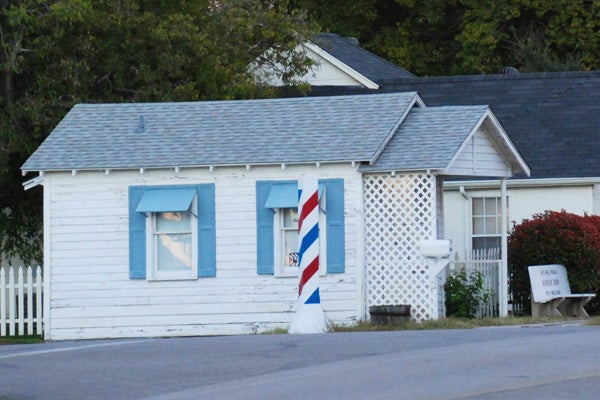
446,37
54,54
556,238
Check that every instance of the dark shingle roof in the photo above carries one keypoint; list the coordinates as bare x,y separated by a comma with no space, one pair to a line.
366,63
273,131
553,118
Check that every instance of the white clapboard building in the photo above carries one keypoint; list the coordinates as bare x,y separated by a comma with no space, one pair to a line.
172,219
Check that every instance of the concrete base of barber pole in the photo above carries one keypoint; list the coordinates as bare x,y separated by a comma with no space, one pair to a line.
309,318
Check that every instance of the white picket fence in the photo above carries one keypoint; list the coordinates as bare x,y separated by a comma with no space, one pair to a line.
21,301
488,263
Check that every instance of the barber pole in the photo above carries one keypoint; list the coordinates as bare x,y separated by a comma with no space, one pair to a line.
309,317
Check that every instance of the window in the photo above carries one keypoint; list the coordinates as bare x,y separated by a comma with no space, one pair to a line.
287,260
288,234
170,253
277,225
486,223
172,232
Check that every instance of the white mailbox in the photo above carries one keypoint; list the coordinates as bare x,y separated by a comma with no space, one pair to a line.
436,248
437,255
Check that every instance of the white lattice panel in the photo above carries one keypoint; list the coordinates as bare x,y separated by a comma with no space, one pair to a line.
400,211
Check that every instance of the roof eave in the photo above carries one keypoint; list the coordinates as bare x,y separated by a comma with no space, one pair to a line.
519,164
177,168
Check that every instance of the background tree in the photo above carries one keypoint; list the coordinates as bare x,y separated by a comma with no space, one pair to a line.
448,37
54,54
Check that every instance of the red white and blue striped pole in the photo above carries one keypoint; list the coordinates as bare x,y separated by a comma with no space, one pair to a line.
309,317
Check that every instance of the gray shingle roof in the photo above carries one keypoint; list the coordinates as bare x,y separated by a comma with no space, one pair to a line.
428,138
273,131
366,63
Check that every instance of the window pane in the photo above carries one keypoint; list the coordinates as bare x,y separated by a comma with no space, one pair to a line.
290,218
490,225
290,248
486,243
478,226
174,252
492,206
478,206
173,221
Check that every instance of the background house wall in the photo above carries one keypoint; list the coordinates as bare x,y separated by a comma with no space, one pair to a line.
523,202
92,296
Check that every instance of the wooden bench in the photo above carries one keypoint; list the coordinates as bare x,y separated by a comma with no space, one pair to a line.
551,293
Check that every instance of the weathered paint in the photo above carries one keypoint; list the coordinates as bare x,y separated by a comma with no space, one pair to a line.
90,294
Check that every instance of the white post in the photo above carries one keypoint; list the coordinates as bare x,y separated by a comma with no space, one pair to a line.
29,306
3,297
12,310
503,282
21,301
38,300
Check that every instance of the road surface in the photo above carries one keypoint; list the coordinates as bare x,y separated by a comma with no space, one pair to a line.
533,362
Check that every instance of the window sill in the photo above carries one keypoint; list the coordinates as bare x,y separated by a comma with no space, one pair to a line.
157,277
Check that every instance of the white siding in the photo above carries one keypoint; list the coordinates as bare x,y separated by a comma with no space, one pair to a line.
523,203
87,257
596,199
479,157
324,73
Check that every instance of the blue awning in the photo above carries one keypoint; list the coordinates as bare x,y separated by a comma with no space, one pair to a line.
285,195
166,199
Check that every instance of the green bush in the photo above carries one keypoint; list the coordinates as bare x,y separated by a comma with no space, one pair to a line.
464,294
555,238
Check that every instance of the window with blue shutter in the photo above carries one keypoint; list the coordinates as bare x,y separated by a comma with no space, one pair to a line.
273,200
172,232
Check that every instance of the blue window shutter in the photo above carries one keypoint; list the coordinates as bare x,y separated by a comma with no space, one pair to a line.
137,235
207,240
336,254
264,231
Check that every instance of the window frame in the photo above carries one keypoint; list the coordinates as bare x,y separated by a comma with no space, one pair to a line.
484,216
153,272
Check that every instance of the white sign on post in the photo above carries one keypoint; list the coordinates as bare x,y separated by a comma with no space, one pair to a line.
548,282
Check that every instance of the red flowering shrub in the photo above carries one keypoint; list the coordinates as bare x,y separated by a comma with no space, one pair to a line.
556,238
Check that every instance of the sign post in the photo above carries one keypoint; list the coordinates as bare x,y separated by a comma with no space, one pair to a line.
309,317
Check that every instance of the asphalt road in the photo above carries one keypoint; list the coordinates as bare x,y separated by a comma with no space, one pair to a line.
536,362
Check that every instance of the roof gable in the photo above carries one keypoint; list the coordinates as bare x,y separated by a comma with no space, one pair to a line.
338,62
465,141
360,60
215,133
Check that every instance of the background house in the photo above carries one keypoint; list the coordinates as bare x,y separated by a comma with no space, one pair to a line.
553,120
551,117
176,219
341,61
